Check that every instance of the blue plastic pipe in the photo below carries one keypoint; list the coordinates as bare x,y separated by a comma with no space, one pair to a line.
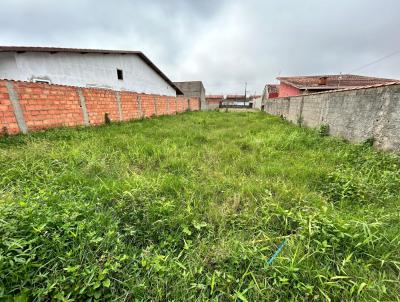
280,247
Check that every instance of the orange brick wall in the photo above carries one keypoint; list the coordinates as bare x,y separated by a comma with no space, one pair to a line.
194,104
162,105
130,106
148,105
47,106
98,103
172,105
8,123
180,106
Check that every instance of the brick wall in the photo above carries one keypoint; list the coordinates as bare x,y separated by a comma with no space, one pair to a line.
8,122
172,105
99,102
44,106
130,106
212,103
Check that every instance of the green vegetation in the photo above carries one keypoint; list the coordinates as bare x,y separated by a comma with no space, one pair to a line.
324,130
191,207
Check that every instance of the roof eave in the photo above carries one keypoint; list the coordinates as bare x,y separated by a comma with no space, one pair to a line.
288,82
86,50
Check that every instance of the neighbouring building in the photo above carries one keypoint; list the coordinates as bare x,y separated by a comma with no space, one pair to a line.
235,100
255,101
193,89
214,101
118,70
271,91
292,86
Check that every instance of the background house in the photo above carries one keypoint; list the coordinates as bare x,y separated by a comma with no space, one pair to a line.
113,69
255,101
193,89
213,101
291,86
235,100
270,91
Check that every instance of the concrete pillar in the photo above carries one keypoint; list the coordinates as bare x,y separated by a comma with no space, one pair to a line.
155,105
19,116
300,119
168,111
82,101
139,101
119,107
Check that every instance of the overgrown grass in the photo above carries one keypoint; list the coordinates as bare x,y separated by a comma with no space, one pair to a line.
191,207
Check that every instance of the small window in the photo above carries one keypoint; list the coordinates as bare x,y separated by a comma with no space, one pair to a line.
120,74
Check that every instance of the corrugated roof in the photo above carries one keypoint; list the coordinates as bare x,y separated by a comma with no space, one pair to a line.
85,50
336,81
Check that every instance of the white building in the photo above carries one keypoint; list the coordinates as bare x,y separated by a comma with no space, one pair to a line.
113,69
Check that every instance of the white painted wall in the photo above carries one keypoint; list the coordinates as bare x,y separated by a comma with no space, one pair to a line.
257,103
85,70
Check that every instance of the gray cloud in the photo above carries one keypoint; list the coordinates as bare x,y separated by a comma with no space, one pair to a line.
224,43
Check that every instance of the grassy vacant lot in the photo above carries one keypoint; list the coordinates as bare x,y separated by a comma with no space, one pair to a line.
191,207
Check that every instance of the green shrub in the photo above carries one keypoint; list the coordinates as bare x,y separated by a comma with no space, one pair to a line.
323,130
369,142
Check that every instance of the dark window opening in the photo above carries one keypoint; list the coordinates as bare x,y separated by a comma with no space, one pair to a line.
120,74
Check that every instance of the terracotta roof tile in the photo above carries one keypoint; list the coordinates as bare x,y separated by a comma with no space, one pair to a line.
235,96
333,81
214,96
395,82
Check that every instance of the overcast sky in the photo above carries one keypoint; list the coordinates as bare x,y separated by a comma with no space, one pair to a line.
224,43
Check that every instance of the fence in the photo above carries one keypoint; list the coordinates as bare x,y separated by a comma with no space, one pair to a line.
354,114
27,106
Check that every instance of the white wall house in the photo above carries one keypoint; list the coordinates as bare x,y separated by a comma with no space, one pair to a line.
117,70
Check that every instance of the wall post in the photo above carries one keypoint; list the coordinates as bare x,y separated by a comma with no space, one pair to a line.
119,107
82,101
19,116
168,111
139,101
155,105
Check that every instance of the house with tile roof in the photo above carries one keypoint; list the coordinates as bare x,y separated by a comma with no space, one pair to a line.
292,86
271,91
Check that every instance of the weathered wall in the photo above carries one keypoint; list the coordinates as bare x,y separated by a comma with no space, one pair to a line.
85,70
212,104
256,103
356,115
193,89
27,106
